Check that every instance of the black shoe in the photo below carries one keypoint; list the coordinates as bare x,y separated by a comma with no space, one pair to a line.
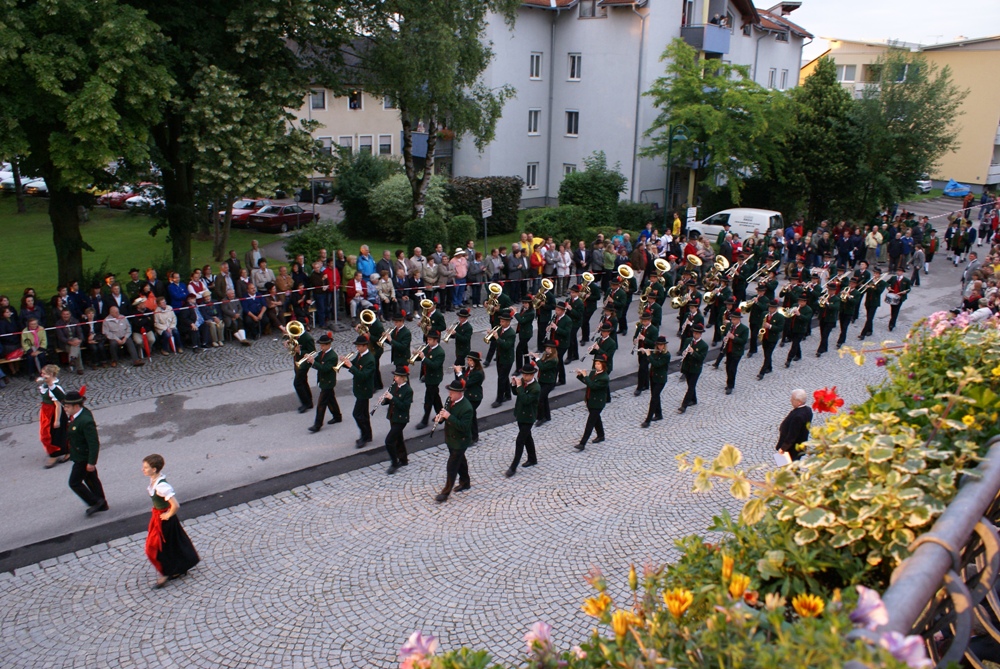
729,391
304,408
421,425
580,446
462,487
314,428
561,383
510,472
788,363
442,497
656,418
530,463
597,440
539,422
818,354
749,355
797,358
716,366
637,392
644,423
682,409
392,469
97,508
335,420
485,364
496,404
360,443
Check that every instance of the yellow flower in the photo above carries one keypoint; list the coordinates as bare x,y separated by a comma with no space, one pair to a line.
773,601
727,567
996,371
807,606
937,408
738,585
596,606
678,600
621,620
969,420
633,579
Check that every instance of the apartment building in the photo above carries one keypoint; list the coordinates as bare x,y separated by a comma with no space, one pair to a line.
976,160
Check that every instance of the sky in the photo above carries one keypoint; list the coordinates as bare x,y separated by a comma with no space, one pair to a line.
921,21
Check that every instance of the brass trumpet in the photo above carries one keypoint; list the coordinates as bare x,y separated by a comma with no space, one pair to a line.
448,333
384,338
491,334
306,359
346,358
416,354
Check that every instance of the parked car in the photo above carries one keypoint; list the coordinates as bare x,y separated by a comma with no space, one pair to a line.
7,184
37,187
281,218
741,221
242,209
319,191
924,184
116,199
148,197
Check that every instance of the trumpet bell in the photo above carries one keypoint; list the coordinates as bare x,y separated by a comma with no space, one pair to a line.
661,266
721,263
426,304
588,277
625,272
693,260
547,284
294,329
494,288
368,317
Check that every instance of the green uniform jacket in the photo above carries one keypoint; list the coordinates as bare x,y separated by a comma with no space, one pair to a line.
590,304
658,367
563,331
862,277
399,403
401,338
505,348
831,311
633,288
612,320
800,322
463,340
621,301
432,369
505,302
608,347
657,318
363,369
772,286
548,370
647,337
525,324
758,310
777,327
326,377
740,339
904,284
546,310
474,386
696,320
458,426
83,442
597,389
873,296
526,406
306,345
692,362
375,332
437,322
577,308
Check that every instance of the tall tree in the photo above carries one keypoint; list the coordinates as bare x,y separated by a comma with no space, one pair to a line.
904,122
78,91
429,57
734,125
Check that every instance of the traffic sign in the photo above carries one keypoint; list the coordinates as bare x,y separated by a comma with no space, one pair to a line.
487,207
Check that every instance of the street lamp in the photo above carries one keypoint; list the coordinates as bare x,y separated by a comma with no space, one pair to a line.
679,133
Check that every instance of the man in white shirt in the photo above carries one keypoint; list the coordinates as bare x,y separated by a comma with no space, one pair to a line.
262,276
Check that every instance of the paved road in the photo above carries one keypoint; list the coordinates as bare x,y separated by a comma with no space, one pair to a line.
339,572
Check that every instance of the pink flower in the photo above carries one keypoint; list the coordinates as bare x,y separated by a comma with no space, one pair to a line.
870,612
908,649
919,398
417,649
539,639
880,362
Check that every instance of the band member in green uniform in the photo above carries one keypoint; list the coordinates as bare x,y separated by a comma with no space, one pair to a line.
828,315
898,289
375,332
659,363
545,313
656,319
525,413
362,367
473,376
849,305
504,303
863,276
437,322
693,352
457,416
589,307
398,398
84,447
620,299
596,398
758,311
576,314
607,346
718,308
774,327
610,318
399,339
524,330
873,298
432,374
644,339
559,332
548,375
505,358
799,329
326,377
733,344
693,318
304,345
462,336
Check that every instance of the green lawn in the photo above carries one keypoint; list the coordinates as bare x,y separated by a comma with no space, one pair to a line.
934,192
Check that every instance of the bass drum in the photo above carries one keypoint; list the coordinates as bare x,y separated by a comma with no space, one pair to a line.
892,299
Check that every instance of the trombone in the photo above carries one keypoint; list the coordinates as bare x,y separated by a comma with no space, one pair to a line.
763,269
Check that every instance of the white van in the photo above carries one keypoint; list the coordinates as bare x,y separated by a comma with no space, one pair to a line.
743,222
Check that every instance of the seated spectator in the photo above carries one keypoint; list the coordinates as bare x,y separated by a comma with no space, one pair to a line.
226,282
119,333
60,301
165,324
245,280
93,335
148,297
10,339
143,330
299,303
198,287
232,317
275,308
254,312
213,323
386,294
69,338
5,304
116,298
34,342
261,276
207,276
401,286
284,280
176,292
31,309
190,323
358,296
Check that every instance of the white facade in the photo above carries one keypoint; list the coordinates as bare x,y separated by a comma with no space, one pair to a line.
563,62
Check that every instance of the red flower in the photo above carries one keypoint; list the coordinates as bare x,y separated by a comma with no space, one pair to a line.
880,362
827,400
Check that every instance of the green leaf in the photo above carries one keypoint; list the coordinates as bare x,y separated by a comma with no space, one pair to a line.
910,493
881,453
834,466
740,489
728,457
753,511
806,536
919,516
815,518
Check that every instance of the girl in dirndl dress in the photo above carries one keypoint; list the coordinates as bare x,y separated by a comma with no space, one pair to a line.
52,418
167,545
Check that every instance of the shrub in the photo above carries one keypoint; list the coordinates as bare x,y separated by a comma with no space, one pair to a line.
310,239
596,189
563,222
635,215
357,175
465,196
461,229
391,204
426,232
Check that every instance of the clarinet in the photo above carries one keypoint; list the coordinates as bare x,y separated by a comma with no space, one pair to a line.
447,405
382,400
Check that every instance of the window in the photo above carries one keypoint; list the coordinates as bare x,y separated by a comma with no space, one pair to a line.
326,143
590,10
347,142
747,30
730,21
847,73
317,99
781,37
534,116
354,100
535,66
572,123
365,144
772,75
531,178
568,168
575,66
388,102
385,145
784,79
688,18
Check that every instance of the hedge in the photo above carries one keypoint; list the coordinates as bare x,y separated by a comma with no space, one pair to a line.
426,232
565,222
461,229
465,195
315,236
634,215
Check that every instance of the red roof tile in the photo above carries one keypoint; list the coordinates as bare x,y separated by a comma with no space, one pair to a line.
770,21
549,4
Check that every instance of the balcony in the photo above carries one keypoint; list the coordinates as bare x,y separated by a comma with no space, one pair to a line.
996,139
993,175
710,38
442,148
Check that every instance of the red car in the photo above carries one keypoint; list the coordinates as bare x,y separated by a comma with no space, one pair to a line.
242,210
116,199
281,218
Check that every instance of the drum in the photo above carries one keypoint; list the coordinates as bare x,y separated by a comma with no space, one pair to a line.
892,299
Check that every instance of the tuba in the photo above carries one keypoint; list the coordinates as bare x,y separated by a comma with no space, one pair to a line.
493,301
626,273
692,261
662,267
721,264
588,279
539,301
293,330
367,317
680,301
425,317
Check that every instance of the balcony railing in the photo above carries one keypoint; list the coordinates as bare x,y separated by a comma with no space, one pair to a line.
709,38
443,148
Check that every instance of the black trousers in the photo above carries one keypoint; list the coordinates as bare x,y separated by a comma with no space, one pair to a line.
327,400
457,466
574,345
521,353
86,484
893,314
585,325
691,396
869,327
544,412
523,442
655,410
491,352
301,385
732,366
768,347
719,358
845,322
432,400
252,327
475,422
622,318
593,423
754,329
562,365
395,445
503,380
362,418
643,383
824,335
378,372
795,352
